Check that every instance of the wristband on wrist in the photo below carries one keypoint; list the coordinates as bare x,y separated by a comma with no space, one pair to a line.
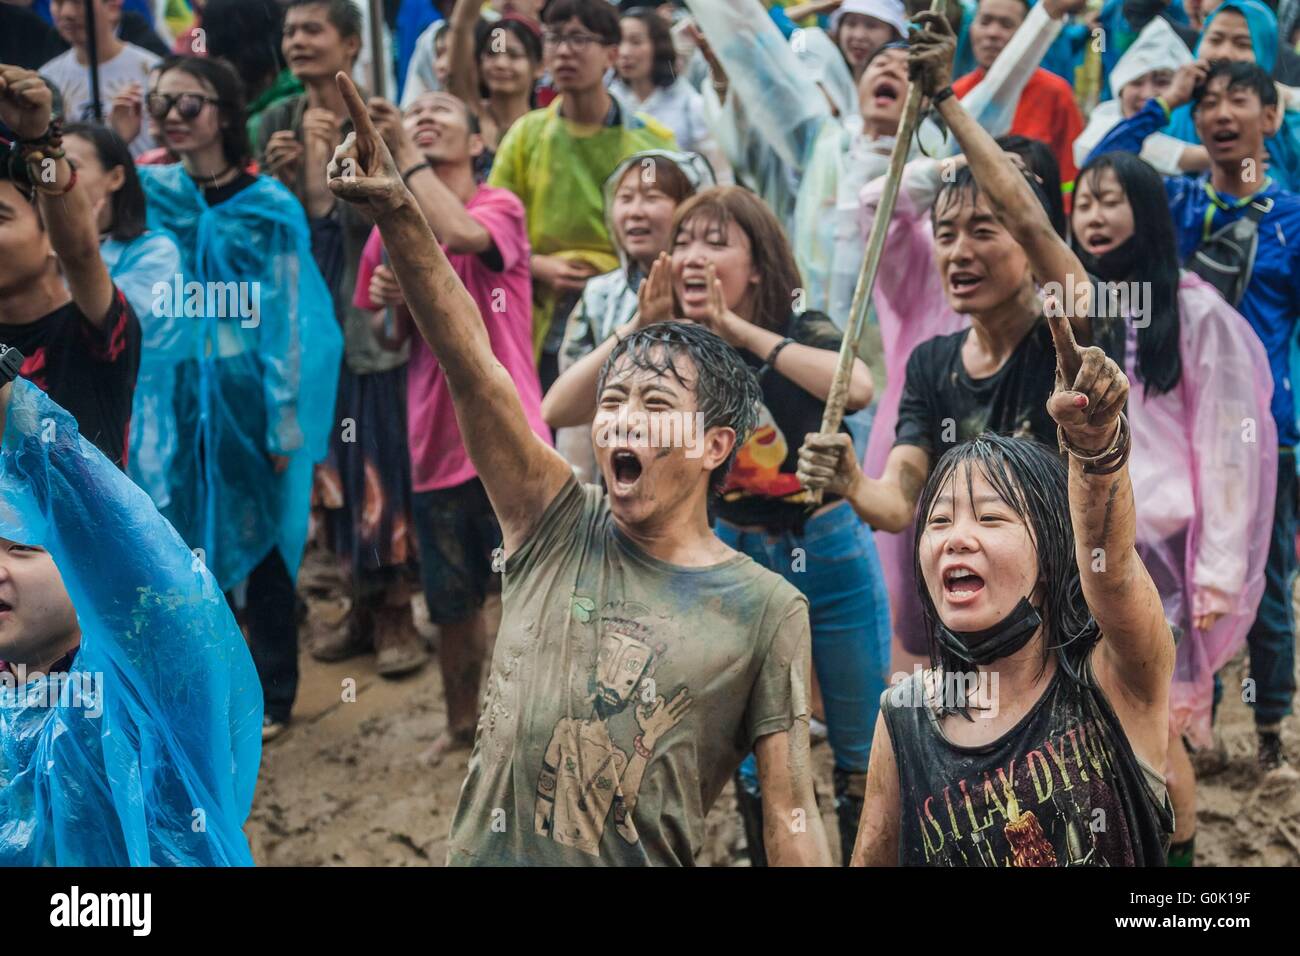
939,97
423,164
770,361
1107,461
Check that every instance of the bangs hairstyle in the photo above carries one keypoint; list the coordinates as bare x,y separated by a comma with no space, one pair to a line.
663,66
1159,362
229,90
668,177
528,37
1038,157
726,390
965,188
127,205
769,250
1032,481
598,16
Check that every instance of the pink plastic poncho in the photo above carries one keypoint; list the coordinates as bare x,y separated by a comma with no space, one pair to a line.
1204,472
911,307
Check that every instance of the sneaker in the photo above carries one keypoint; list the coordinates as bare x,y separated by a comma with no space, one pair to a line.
272,728
1271,754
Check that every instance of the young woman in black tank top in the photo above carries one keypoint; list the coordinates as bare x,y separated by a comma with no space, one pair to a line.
1038,735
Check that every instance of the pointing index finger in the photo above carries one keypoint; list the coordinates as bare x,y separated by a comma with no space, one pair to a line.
356,107
1067,349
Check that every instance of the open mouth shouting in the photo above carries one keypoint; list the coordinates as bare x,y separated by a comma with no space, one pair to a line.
963,283
627,469
961,584
694,291
1097,242
1222,139
886,92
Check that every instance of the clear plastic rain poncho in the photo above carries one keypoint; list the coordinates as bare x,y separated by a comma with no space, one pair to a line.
263,378
1204,472
145,752
166,340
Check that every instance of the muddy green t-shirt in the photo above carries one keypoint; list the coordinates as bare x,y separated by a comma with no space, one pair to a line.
624,692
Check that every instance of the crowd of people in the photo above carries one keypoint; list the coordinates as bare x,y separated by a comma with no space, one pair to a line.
551,300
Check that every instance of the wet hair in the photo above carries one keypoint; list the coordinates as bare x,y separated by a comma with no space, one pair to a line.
598,16
663,65
886,47
964,188
229,89
1033,482
127,204
1042,163
1241,76
343,14
726,391
769,249
246,33
1159,362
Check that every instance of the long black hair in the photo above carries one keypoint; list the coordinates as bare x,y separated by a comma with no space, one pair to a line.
1032,481
127,205
229,88
1159,362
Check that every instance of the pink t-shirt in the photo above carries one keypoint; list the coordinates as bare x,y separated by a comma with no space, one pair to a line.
505,300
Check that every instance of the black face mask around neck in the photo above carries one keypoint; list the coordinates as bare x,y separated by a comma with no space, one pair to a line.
1114,264
1001,640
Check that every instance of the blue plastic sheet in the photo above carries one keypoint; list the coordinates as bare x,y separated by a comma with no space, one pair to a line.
146,751
263,379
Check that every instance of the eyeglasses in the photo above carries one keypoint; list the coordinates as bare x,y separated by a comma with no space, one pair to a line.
189,105
577,41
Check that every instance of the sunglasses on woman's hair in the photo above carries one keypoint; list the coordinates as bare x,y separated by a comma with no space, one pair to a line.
189,105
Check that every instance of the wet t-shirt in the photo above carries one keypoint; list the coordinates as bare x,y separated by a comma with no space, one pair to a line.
1061,788
624,693
943,406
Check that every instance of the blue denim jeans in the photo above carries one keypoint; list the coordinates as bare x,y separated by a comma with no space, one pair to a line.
1272,637
834,564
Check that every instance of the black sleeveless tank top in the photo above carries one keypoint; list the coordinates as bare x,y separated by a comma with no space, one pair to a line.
1061,788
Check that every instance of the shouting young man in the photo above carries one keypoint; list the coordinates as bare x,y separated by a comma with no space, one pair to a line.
638,658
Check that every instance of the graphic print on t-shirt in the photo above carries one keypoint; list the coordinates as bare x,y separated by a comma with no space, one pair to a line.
1043,808
585,773
757,469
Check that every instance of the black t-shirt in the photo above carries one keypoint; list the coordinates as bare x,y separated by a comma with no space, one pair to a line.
943,406
88,370
25,39
216,195
762,488
1061,788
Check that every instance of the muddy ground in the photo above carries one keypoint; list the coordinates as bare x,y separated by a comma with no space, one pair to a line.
343,787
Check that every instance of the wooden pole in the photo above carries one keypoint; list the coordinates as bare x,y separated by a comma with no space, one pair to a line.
377,71
835,402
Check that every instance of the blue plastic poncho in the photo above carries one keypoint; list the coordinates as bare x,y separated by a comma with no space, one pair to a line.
1284,145
264,378
137,267
146,751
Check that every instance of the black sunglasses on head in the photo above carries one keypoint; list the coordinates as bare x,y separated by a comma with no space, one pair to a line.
189,105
